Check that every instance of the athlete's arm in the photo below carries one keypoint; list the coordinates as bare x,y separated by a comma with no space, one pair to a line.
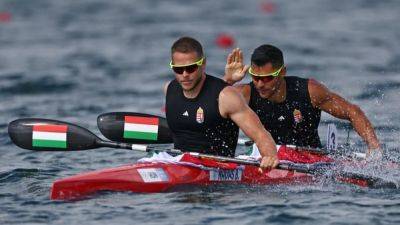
233,106
323,98
245,90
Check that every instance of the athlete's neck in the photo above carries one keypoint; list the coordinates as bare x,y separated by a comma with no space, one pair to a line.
280,93
194,92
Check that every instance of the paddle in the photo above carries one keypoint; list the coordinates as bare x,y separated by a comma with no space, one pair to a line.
52,135
129,127
319,151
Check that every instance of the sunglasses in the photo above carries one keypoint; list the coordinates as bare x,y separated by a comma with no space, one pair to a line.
265,77
189,68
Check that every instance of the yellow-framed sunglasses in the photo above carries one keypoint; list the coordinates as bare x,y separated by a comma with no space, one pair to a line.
189,68
265,77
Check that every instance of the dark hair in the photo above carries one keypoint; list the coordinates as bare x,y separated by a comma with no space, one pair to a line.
265,54
186,45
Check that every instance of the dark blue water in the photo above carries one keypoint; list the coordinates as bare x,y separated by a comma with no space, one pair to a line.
72,60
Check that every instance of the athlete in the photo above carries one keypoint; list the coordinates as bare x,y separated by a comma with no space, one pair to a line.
288,106
204,112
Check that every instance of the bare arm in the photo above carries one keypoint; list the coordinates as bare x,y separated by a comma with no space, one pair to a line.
337,106
245,90
233,106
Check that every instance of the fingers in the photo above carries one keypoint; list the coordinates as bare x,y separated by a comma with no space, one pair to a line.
236,56
230,57
276,163
240,55
268,162
245,68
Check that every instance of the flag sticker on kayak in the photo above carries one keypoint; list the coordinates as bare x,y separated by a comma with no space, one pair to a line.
150,175
144,128
49,136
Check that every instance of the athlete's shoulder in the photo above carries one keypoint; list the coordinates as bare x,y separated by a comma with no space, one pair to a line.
170,84
243,87
229,90
166,85
215,79
318,92
229,94
314,85
293,79
230,101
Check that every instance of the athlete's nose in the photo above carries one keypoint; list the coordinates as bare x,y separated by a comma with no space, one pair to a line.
259,83
185,74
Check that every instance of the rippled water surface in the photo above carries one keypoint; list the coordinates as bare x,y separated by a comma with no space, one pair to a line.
73,60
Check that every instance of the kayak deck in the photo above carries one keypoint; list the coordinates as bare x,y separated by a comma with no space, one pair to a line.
163,177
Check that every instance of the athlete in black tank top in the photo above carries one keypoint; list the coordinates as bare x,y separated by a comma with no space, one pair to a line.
196,123
290,107
293,121
204,113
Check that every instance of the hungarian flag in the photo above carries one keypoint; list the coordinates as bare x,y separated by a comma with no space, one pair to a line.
144,128
49,136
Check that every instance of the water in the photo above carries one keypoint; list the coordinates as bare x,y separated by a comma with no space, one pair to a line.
73,60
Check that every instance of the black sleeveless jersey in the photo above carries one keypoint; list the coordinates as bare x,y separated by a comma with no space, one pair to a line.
294,121
196,123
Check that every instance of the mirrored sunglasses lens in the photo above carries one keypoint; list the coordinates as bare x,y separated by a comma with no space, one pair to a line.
191,68
178,70
263,79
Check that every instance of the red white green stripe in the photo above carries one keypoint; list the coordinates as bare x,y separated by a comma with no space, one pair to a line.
49,136
143,128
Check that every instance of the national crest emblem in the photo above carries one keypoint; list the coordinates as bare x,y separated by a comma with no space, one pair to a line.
200,115
298,117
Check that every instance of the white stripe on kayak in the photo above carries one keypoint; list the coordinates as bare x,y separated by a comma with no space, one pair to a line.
141,127
55,136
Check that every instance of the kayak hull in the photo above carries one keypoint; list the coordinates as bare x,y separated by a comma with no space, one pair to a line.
153,177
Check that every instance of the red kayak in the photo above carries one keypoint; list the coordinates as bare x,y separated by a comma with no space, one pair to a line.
189,169
162,176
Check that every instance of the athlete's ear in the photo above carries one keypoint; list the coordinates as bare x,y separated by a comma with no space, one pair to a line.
283,72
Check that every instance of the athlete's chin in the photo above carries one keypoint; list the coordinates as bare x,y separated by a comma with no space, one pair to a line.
187,86
265,93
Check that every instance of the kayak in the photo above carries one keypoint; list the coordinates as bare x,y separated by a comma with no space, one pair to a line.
171,173
162,175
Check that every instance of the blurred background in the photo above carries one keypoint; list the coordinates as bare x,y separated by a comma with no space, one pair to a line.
73,60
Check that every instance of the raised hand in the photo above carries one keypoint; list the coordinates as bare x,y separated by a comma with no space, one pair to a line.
235,70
